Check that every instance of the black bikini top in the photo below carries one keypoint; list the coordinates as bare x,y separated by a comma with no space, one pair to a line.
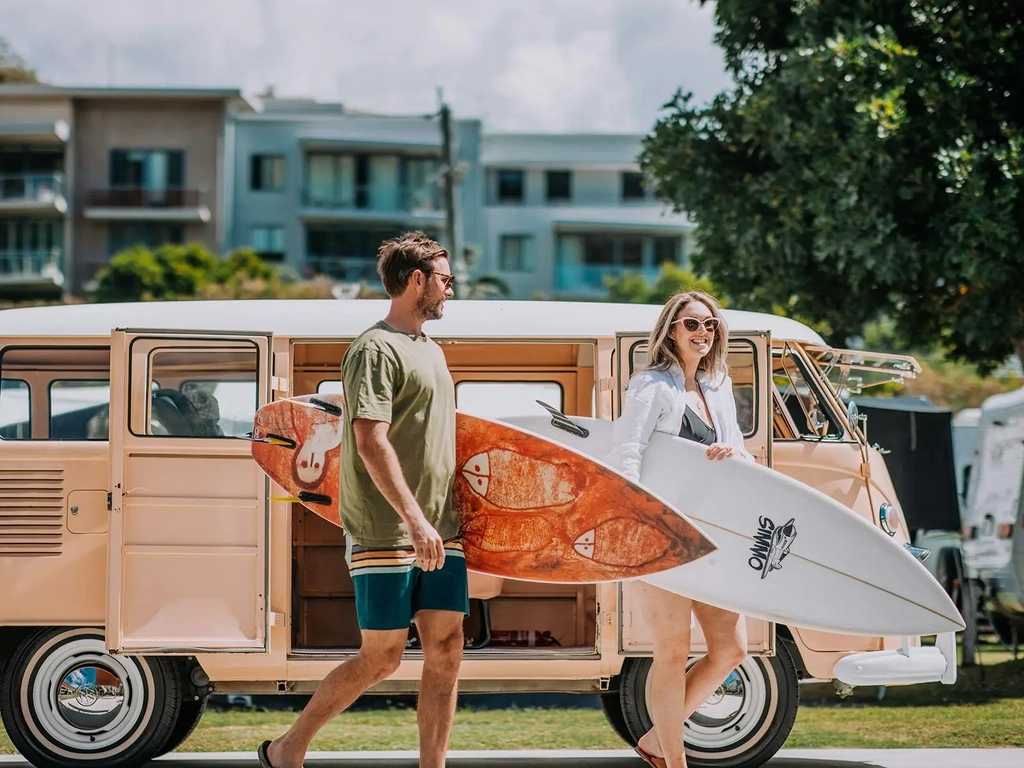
695,428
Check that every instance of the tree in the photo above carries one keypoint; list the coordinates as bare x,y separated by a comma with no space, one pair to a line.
633,288
172,272
13,68
868,161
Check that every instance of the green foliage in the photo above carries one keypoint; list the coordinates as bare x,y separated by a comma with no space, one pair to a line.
632,288
868,160
13,68
172,272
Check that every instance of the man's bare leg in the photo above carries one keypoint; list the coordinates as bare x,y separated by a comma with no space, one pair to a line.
378,658
441,634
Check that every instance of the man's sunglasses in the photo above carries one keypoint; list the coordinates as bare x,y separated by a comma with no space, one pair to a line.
692,324
447,280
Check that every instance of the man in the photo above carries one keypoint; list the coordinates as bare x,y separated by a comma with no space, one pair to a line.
397,474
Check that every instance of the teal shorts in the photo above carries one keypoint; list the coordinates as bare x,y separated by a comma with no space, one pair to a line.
391,588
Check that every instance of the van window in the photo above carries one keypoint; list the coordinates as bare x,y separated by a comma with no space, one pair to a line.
500,399
490,399
79,409
15,423
742,371
811,415
202,391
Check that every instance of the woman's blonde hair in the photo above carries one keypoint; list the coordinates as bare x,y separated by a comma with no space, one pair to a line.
661,351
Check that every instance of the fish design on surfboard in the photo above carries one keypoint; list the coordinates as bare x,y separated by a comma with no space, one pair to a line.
530,508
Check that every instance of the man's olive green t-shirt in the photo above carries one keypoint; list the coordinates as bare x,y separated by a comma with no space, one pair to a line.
402,379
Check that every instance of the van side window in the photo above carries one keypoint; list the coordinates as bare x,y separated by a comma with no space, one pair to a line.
15,421
741,371
79,409
202,392
812,417
498,399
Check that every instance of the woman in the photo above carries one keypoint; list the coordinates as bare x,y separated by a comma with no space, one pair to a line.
685,390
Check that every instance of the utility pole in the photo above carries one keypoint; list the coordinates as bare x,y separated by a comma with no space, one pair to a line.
450,173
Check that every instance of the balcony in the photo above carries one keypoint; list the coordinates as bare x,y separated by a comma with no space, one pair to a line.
32,273
144,204
347,269
589,279
410,205
33,193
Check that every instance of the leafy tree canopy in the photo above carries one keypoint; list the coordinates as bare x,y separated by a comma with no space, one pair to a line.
171,272
13,68
867,162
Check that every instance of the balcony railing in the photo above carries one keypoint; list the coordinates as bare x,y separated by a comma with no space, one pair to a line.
349,269
138,197
591,278
407,200
43,188
32,268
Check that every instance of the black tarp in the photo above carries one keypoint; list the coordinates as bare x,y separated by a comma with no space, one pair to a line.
919,438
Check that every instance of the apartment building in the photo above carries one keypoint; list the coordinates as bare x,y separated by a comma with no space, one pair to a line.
566,211
318,186
35,154
89,171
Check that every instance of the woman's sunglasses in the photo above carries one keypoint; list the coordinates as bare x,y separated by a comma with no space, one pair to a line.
692,324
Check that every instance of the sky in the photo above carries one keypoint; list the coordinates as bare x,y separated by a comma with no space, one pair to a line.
518,65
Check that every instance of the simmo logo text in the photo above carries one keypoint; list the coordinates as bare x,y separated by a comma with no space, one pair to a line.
771,545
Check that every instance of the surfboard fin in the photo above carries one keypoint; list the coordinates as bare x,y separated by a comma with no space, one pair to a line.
331,408
561,421
305,496
271,439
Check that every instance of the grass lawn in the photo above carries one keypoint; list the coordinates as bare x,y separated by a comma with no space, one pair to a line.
984,709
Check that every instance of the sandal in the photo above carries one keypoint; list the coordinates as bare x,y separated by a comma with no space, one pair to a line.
657,762
261,753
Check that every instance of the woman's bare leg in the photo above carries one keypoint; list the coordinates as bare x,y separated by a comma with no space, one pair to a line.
667,615
726,635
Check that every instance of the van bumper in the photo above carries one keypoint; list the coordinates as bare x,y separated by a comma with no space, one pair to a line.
904,666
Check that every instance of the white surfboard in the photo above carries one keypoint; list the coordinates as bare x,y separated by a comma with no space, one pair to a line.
786,552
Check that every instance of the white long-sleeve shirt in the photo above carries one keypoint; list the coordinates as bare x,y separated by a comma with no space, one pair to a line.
655,400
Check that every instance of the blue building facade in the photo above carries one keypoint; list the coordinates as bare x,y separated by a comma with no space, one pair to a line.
316,187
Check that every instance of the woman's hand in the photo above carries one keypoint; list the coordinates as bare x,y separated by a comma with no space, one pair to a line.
719,451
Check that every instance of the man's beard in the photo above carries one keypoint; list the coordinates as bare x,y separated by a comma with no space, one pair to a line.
429,309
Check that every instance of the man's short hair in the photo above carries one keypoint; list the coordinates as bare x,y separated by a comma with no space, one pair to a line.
400,256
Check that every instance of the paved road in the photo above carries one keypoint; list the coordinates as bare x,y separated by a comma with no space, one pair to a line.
787,758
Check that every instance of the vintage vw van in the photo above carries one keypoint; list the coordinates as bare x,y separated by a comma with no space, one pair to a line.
144,564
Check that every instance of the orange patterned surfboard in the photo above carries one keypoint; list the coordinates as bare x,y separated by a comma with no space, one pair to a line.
529,507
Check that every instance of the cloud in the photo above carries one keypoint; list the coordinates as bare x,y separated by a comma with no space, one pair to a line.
572,65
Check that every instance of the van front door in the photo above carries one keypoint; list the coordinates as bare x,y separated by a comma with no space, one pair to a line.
750,370
188,506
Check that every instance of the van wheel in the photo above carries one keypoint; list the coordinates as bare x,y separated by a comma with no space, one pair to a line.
192,712
67,703
611,703
742,724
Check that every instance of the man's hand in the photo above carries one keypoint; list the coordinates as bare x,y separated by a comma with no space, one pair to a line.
427,543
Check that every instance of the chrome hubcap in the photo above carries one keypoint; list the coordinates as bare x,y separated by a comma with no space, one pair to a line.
83,700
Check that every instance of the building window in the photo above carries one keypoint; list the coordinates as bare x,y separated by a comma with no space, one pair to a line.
349,253
515,253
666,249
633,186
266,173
510,186
559,186
268,242
124,234
153,169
